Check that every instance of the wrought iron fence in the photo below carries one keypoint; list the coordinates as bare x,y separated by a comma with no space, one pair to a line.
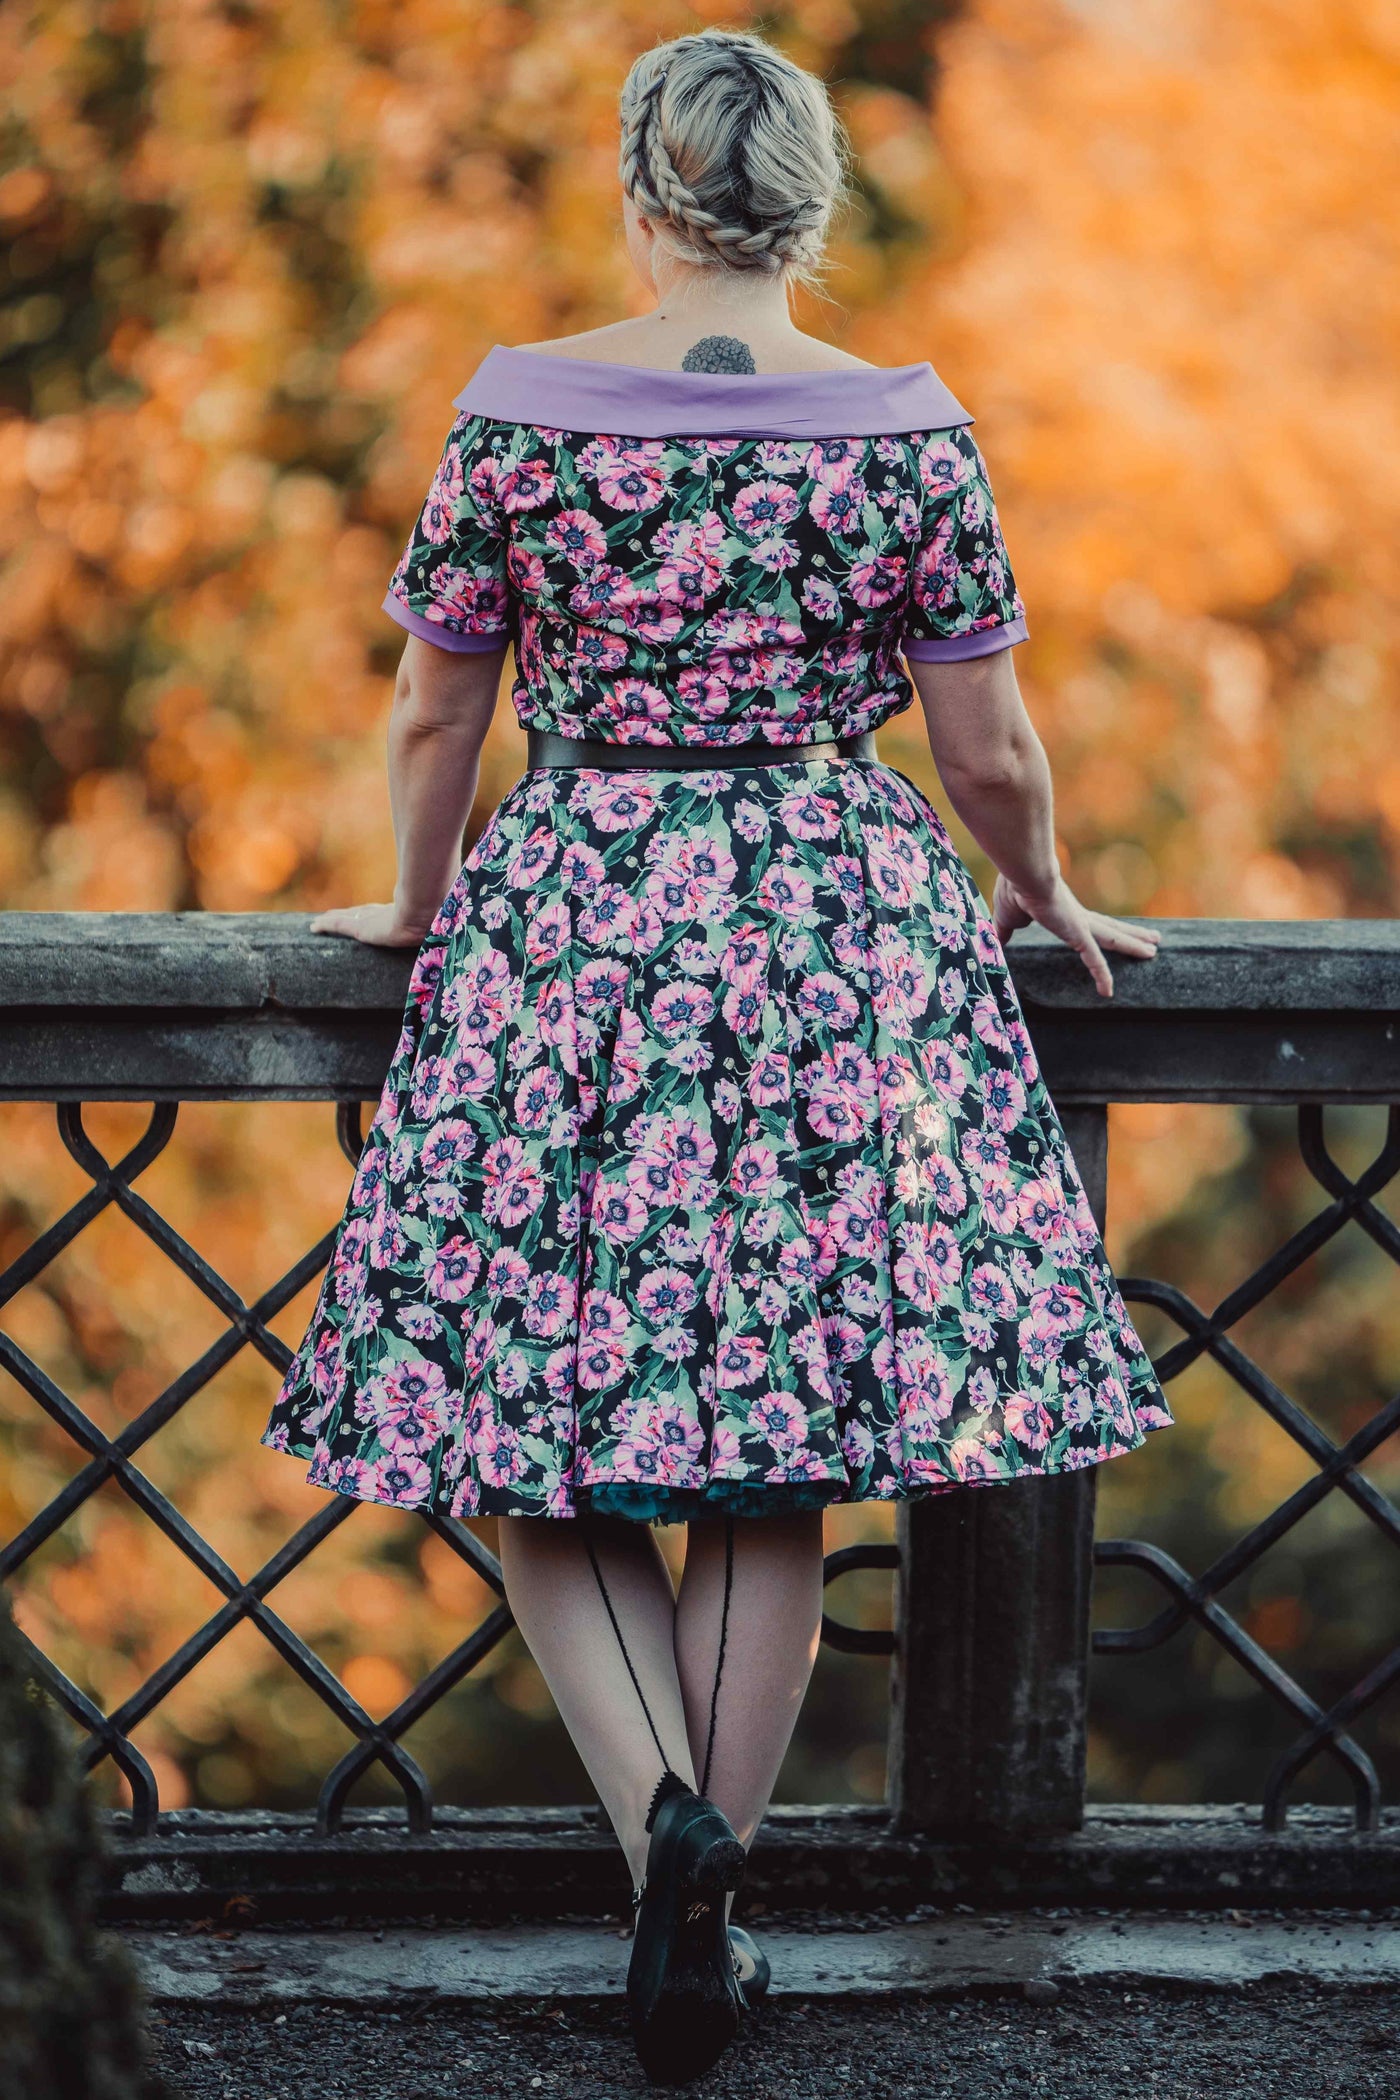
1336,1471
988,1703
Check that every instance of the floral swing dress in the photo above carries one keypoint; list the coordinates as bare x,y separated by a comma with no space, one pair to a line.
714,1170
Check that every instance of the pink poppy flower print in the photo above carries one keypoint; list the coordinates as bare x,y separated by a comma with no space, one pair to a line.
453,1269
682,1010
929,1265
836,503
780,1420
693,561
577,535
944,466
476,1003
660,1444
628,477
898,863
604,593
513,1185
739,1361
603,1350
807,815
616,1213
440,508
672,1156
840,1090
396,1478
500,1457
764,507
1029,1420
523,484
713,1167
877,579
549,1304
667,1294
787,890
825,1001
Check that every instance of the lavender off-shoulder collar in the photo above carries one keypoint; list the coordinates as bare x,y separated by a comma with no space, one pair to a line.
577,393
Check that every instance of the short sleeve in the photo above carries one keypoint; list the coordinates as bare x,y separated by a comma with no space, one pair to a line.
963,599
450,586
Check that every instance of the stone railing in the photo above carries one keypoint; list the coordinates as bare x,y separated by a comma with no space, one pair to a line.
987,1743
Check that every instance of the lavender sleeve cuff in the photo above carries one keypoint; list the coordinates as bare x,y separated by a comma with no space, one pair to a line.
441,637
952,648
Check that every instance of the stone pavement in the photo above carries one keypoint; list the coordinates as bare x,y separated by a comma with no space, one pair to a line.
1265,2042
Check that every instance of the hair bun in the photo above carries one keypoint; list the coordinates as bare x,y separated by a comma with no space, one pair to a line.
719,130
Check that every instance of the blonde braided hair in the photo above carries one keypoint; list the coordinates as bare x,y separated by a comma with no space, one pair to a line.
733,152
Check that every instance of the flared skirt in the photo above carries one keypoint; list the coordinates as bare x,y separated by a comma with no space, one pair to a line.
714,1170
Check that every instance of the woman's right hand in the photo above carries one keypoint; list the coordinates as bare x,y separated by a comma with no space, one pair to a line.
1087,932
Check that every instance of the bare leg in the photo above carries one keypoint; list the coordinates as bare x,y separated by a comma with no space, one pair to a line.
554,1594
771,1643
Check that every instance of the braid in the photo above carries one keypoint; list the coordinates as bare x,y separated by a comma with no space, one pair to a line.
638,121
651,178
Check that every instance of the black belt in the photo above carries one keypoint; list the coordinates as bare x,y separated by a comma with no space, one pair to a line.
544,748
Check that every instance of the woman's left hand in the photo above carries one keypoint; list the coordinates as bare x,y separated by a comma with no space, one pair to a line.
378,925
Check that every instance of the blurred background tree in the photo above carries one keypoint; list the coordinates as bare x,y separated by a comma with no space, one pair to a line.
70,1997
252,251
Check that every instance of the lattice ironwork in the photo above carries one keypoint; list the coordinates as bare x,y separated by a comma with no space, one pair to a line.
1195,1597
114,1458
857,1640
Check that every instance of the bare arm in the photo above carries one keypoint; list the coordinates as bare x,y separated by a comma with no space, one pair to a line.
443,704
994,770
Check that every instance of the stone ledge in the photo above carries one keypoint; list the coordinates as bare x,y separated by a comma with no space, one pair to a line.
137,1006
951,1957
239,960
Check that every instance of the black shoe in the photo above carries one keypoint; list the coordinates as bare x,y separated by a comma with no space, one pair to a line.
751,1969
682,1994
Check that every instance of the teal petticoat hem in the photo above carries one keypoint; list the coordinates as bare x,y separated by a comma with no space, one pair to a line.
722,1498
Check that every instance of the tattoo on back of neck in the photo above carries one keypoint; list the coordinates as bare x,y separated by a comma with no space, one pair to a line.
718,353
